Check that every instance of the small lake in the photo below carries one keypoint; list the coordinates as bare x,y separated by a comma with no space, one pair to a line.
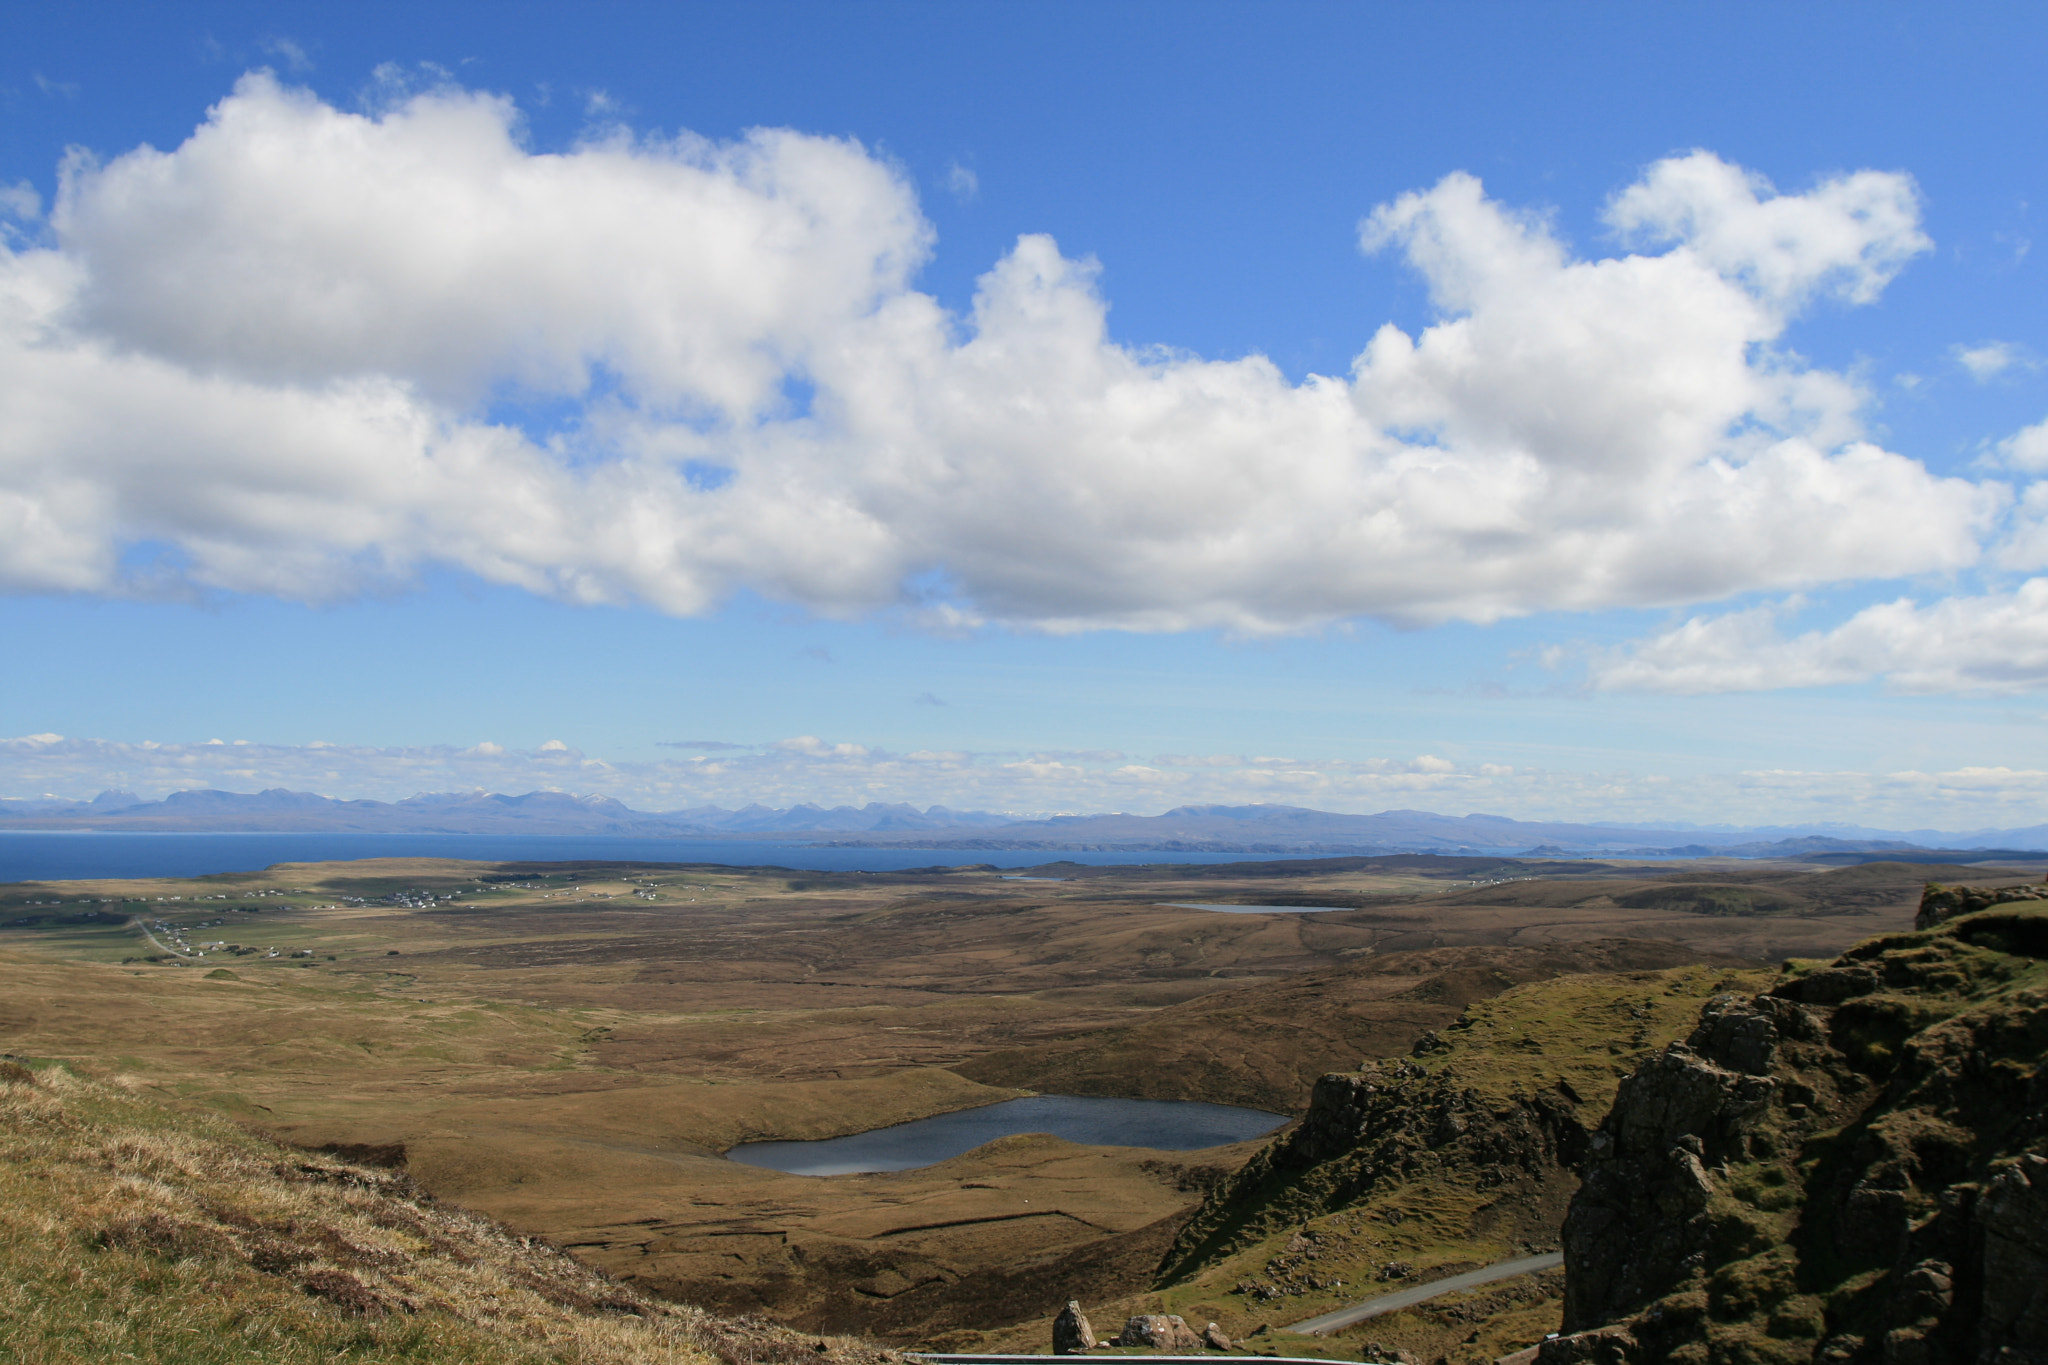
1255,909
1176,1125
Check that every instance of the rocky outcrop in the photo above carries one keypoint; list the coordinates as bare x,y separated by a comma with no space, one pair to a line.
2013,1230
1393,1123
1849,1168
1941,903
1647,1186
1496,1107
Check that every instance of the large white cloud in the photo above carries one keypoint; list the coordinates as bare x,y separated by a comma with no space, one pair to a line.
269,358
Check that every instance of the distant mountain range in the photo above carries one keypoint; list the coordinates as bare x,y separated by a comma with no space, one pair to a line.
1295,830
468,813
1256,829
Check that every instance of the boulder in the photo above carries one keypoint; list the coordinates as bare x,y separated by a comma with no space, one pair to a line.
1160,1331
1213,1338
1602,1346
1071,1334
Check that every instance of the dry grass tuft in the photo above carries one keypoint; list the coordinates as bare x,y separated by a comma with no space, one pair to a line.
132,1232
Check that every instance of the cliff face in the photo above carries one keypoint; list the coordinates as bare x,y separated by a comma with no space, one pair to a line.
1460,1156
1851,1167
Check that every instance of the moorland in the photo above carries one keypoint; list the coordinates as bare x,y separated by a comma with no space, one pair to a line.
569,1048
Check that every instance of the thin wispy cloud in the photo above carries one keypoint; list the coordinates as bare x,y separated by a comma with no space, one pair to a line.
288,51
21,201
808,768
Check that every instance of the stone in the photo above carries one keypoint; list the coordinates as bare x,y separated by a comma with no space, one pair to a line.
1161,1331
1602,1346
1829,986
1213,1338
1743,1033
1071,1334
2014,1222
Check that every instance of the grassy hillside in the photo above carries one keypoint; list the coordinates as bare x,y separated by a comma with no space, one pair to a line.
129,1231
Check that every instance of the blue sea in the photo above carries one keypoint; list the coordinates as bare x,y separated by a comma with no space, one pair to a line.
39,855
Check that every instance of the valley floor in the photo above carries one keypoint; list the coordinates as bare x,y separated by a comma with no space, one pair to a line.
570,1048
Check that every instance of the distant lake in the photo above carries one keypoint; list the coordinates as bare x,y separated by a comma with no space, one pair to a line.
1175,1125
43,855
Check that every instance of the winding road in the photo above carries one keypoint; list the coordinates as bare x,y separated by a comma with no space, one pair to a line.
1387,1303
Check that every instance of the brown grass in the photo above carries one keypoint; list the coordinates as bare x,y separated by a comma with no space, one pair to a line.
130,1232
565,1055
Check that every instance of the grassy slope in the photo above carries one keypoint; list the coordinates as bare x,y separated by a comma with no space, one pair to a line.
129,1231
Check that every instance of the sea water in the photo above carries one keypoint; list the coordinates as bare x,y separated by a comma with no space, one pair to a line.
42,855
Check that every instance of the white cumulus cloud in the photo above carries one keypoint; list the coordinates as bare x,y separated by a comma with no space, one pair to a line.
292,355
2027,448
1993,358
1993,643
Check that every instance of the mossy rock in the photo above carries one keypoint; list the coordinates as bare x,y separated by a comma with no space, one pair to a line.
1856,1143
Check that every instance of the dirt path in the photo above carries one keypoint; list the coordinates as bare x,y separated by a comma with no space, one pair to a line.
1387,1303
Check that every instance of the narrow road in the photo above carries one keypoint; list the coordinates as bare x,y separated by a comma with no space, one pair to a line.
175,952
1387,1303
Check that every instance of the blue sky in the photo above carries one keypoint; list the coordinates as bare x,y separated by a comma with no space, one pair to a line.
451,384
